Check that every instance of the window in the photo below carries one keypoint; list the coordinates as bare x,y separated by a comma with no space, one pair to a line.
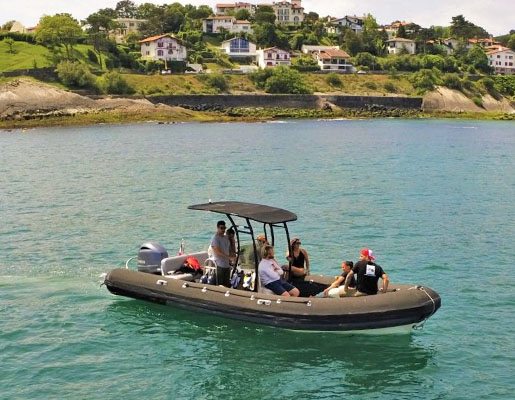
148,53
170,51
160,44
160,52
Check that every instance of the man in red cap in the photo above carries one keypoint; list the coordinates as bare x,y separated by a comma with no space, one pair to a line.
368,273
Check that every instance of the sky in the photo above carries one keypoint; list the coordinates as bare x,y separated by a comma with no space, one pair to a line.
497,17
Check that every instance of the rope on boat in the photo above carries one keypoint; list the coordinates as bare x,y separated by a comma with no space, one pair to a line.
228,293
420,325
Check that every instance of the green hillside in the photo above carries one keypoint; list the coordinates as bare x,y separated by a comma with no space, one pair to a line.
27,55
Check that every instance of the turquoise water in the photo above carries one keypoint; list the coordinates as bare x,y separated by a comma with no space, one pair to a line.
433,199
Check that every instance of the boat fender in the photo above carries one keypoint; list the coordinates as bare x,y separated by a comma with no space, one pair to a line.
227,294
278,301
252,297
162,282
265,302
185,285
309,304
204,289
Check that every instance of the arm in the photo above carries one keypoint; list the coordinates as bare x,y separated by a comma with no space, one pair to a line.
307,261
220,253
385,283
347,281
335,284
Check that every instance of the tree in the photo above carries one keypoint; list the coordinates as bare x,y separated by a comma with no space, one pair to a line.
99,26
242,15
478,59
353,42
264,14
10,43
147,10
511,42
7,26
401,33
126,9
57,30
463,29
267,35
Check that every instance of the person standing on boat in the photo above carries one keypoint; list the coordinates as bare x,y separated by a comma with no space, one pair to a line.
337,287
222,254
368,274
270,273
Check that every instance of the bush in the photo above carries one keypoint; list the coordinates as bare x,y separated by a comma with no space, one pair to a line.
425,79
390,87
505,84
488,84
478,101
452,81
286,80
215,81
92,56
260,77
370,85
74,74
333,79
114,83
152,66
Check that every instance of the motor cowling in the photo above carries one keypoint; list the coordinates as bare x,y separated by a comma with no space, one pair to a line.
149,258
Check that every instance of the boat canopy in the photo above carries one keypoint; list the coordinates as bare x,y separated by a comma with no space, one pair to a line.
255,212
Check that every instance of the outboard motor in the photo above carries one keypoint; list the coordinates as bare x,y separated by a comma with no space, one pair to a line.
150,256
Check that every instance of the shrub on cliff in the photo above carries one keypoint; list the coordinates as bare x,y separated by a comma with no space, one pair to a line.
215,81
75,74
452,81
287,81
426,79
333,79
114,83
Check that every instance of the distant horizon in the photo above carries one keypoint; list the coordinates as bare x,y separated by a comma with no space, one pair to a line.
498,20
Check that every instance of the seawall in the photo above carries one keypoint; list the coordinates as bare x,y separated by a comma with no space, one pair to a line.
285,101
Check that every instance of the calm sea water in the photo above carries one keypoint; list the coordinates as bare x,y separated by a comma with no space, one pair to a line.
433,199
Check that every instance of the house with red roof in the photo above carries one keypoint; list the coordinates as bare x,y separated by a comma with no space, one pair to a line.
163,47
224,8
502,60
333,60
272,56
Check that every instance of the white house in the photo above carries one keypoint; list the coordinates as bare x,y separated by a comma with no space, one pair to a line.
502,60
333,60
18,27
163,47
239,47
228,22
395,46
126,25
337,25
273,56
289,13
214,23
309,49
223,9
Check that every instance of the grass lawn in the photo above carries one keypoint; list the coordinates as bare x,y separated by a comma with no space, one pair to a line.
24,57
27,54
366,85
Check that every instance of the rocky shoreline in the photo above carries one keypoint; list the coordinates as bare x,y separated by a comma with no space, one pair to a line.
26,103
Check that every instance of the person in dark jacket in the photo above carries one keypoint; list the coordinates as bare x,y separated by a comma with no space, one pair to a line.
368,274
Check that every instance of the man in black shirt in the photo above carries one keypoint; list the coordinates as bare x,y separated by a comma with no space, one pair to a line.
368,273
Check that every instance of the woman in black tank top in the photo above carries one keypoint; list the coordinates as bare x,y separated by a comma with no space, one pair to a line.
300,261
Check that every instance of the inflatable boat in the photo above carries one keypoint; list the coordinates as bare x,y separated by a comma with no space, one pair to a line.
164,280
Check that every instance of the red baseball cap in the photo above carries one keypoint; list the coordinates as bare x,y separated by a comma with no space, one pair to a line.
368,253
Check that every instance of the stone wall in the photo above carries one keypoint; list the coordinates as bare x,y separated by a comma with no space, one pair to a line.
284,101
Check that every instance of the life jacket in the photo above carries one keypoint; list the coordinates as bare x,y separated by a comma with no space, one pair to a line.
193,263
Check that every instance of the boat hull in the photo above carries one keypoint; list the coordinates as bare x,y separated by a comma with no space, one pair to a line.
405,306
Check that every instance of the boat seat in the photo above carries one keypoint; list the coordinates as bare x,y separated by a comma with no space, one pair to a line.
171,264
